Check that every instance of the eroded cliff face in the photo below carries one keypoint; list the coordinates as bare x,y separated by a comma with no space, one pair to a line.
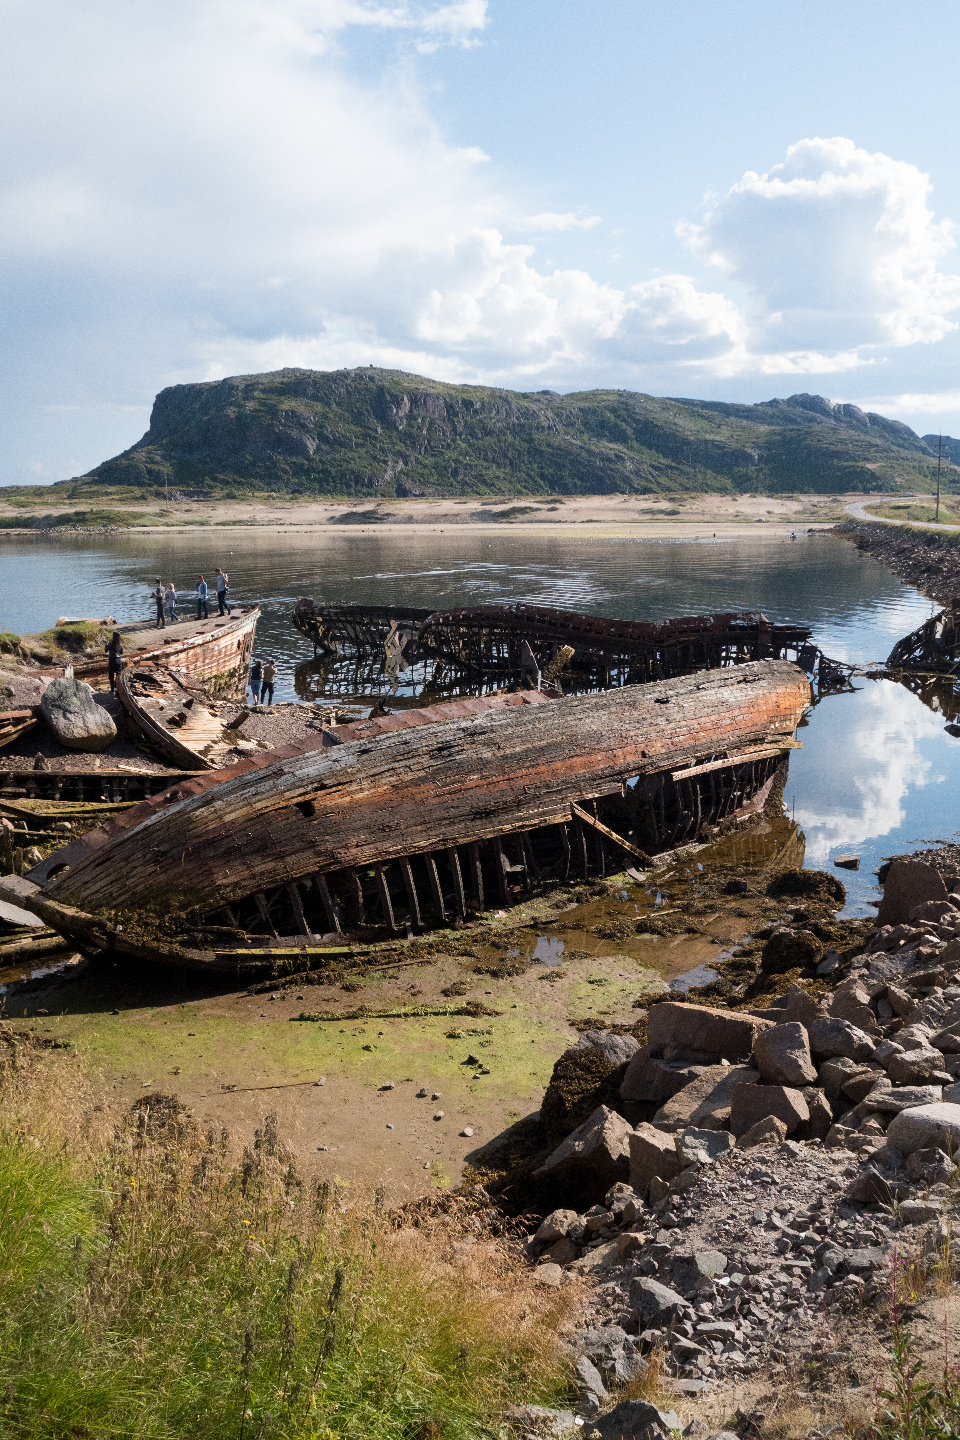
369,431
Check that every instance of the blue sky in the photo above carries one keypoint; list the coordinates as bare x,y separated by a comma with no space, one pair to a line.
731,201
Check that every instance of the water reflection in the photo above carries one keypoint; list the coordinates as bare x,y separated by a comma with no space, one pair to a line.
877,775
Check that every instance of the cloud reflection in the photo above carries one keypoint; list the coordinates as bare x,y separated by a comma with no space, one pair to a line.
861,757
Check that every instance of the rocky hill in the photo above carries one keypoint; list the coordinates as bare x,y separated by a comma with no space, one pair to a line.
382,432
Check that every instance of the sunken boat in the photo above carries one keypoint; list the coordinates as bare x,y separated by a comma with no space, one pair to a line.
934,647
398,825
491,645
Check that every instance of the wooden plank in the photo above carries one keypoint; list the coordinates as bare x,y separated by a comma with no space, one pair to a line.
353,880
297,903
412,896
500,870
739,758
602,829
459,898
333,914
476,874
260,900
434,879
385,901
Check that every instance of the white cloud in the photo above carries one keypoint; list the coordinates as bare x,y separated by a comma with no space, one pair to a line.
550,220
838,252
191,188
856,783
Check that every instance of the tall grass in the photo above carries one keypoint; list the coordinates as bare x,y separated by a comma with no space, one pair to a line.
155,1283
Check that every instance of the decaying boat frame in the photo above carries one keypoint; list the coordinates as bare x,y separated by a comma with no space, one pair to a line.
421,824
496,643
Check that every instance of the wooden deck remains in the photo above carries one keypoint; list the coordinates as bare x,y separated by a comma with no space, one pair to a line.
934,646
396,831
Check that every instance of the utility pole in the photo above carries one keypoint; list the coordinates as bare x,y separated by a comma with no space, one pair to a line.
939,454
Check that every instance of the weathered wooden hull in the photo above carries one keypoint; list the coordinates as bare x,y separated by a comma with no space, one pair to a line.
218,661
215,656
308,822
15,723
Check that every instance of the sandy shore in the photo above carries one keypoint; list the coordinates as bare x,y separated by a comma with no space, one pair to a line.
605,516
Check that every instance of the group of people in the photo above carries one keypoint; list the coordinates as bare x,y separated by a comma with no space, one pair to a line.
165,598
263,675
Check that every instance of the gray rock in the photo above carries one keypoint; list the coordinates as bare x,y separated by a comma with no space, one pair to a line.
590,1377
599,1147
702,1147
706,1101
932,1166
653,1081
755,1102
832,1036
833,1074
549,1274
72,713
652,1153
541,1421
555,1225
933,911
919,1212
635,1420
902,1097
926,1127
678,1031
768,1131
909,883
912,1067
885,1052
821,1115
690,1269
655,1303
616,1049
782,1054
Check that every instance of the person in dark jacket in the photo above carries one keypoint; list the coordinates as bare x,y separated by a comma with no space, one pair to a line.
157,597
114,658
256,679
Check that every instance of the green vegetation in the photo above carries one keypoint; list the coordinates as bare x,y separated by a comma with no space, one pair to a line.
155,1284
88,519
378,433
918,512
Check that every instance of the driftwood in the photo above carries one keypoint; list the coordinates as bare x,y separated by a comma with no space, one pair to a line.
301,838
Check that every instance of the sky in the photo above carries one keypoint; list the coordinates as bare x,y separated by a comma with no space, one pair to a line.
720,200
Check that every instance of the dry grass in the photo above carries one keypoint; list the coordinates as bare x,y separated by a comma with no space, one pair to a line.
156,1281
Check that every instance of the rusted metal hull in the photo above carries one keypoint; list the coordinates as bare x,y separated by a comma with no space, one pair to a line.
299,841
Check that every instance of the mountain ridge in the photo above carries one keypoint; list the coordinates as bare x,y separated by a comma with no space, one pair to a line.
373,432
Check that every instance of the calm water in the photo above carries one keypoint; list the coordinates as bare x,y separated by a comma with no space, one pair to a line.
877,773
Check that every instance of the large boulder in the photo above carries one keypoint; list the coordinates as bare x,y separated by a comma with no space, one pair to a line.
789,949
755,1102
908,883
782,1054
832,1036
926,1127
652,1081
679,1031
706,1100
654,1302
635,1420
585,1076
72,713
652,1153
599,1150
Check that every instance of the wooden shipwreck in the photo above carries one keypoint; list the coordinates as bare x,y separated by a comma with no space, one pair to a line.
933,647
496,644
253,866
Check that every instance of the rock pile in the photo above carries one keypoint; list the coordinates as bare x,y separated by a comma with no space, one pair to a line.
749,1169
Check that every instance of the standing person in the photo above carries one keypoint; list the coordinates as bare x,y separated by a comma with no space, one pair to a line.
269,675
156,595
202,599
256,680
114,658
170,602
223,584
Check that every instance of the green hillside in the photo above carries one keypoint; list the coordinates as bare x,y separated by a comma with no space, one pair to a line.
376,432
